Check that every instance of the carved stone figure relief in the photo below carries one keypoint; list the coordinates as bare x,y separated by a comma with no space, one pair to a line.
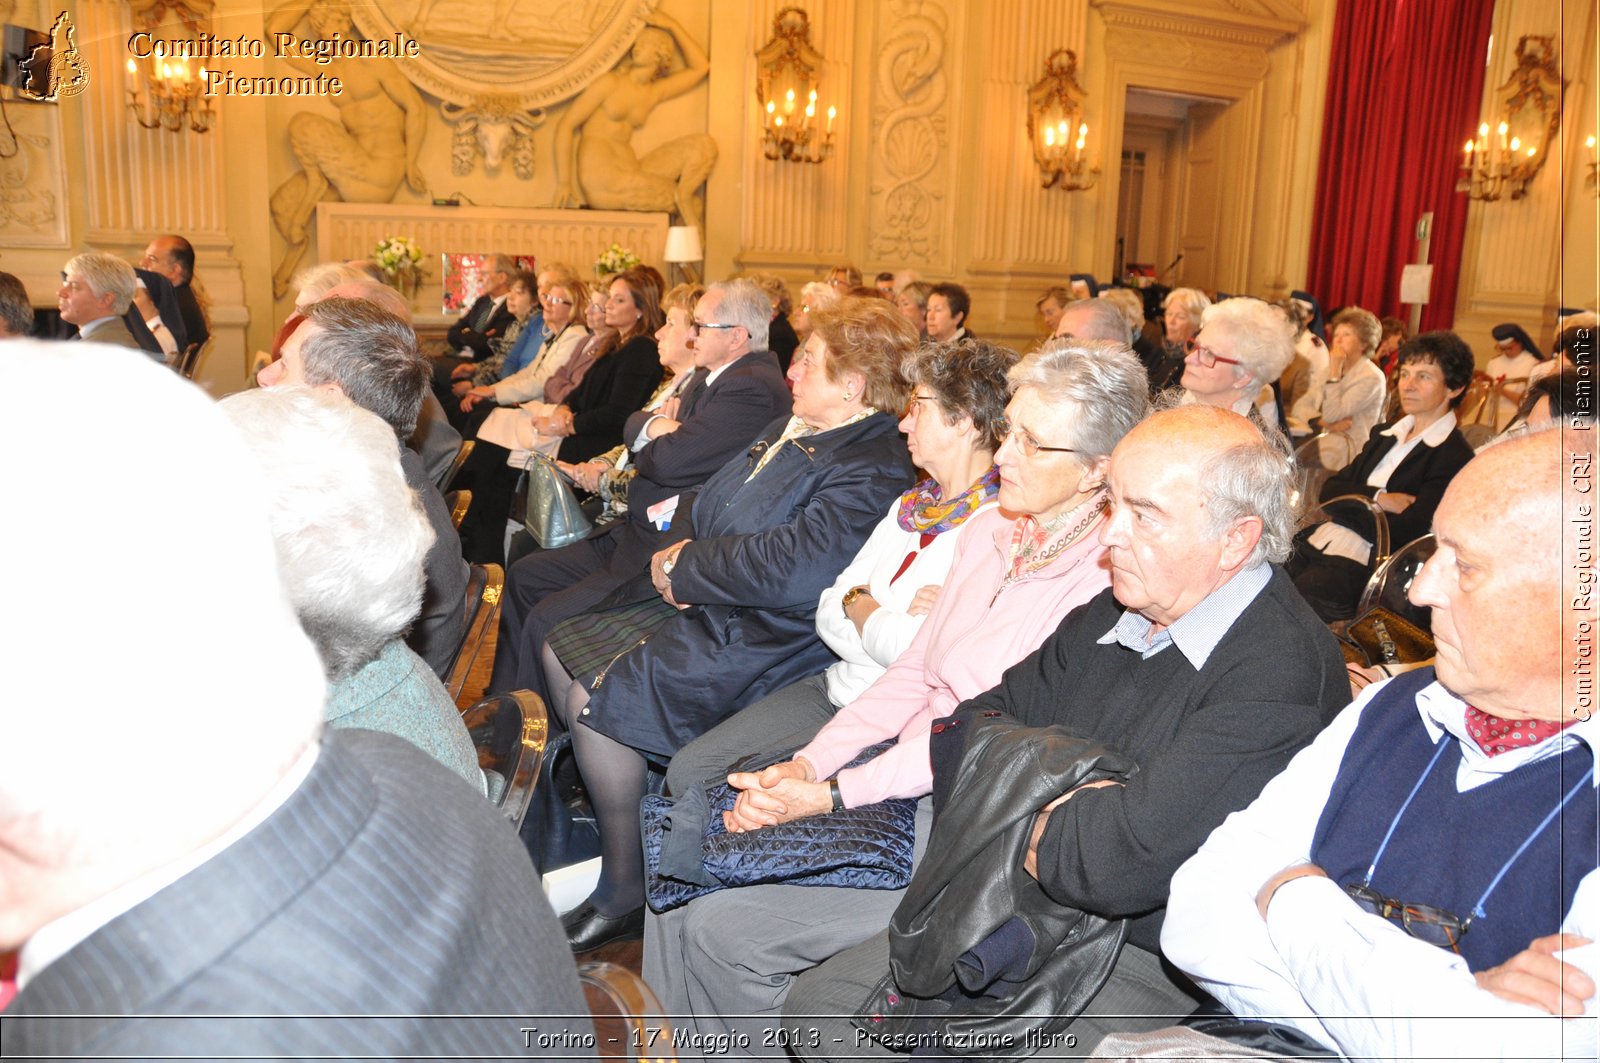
909,131
593,155
365,155
32,174
537,55
493,128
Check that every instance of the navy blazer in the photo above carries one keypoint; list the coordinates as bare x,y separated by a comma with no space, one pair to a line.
761,555
1425,473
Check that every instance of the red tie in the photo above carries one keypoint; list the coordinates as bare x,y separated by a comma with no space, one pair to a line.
1495,736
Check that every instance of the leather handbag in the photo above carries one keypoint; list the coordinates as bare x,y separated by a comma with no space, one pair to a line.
554,517
1381,636
868,847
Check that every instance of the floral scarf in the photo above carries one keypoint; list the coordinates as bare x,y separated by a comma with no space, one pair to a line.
922,510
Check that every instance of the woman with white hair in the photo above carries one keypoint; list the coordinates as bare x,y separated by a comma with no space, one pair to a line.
351,538
1242,346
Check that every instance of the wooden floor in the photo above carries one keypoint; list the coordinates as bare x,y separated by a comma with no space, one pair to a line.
623,953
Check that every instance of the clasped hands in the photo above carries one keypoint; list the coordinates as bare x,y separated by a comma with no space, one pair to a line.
585,474
558,422
783,792
1533,977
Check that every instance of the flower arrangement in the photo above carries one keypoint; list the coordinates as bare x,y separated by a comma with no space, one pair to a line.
401,261
614,259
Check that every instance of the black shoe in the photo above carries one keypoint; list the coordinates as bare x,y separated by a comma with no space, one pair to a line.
587,929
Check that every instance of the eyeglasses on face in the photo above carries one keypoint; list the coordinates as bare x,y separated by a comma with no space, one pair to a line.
696,325
554,300
1025,442
1422,921
912,407
1208,357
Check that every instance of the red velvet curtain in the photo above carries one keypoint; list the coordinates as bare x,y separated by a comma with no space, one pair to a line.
1404,84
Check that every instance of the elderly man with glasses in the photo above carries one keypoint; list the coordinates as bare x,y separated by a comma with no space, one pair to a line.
1201,664
1420,883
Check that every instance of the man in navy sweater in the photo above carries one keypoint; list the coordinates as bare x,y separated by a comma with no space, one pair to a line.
1420,883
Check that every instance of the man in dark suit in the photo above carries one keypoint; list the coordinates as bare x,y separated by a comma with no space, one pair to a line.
485,320
173,257
95,291
306,893
153,318
735,391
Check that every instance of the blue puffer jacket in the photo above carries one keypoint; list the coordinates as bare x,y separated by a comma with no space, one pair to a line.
761,554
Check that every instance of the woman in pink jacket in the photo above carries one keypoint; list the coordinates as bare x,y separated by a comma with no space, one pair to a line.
726,960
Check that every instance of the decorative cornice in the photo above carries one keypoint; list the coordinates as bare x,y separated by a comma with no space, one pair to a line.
1263,28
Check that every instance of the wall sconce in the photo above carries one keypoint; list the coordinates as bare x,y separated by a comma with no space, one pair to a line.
163,95
786,87
683,248
1512,142
1056,125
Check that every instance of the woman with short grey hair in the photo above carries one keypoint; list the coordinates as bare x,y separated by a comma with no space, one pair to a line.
1352,398
1243,346
351,539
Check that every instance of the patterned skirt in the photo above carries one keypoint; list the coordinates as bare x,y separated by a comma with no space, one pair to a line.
586,643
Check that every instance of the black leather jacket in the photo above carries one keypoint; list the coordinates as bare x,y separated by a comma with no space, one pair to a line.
946,984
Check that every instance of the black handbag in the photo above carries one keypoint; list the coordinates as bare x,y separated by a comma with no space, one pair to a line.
553,515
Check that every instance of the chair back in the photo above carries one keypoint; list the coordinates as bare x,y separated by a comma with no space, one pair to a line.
1391,583
627,1013
189,361
509,732
1475,404
1380,521
458,502
461,457
484,584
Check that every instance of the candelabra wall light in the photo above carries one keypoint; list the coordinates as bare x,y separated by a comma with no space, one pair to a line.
164,94
787,86
1057,127
1514,138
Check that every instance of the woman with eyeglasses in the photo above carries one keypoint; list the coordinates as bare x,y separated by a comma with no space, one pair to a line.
546,340
1243,345
1019,569
726,614
587,421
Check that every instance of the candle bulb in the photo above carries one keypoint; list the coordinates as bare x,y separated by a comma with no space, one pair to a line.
832,113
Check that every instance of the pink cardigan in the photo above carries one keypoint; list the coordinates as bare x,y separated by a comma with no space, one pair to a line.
967,641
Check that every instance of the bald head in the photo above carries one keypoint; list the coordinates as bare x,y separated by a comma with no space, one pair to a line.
1198,496
1510,563
371,291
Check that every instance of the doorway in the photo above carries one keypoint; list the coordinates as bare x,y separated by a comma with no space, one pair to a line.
1174,210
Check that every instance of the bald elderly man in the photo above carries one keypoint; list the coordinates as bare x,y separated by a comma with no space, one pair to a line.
1421,883
230,879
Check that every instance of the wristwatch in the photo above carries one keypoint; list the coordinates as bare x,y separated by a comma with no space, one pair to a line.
850,597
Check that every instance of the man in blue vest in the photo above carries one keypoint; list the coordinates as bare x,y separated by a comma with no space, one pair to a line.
1421,881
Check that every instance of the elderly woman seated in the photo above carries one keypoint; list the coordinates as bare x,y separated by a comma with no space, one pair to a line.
1181,312
727,959
1243,346
1351,400
726,614
351,537
1404,468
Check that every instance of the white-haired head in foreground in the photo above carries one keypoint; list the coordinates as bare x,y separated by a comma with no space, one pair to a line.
160,685
351,534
